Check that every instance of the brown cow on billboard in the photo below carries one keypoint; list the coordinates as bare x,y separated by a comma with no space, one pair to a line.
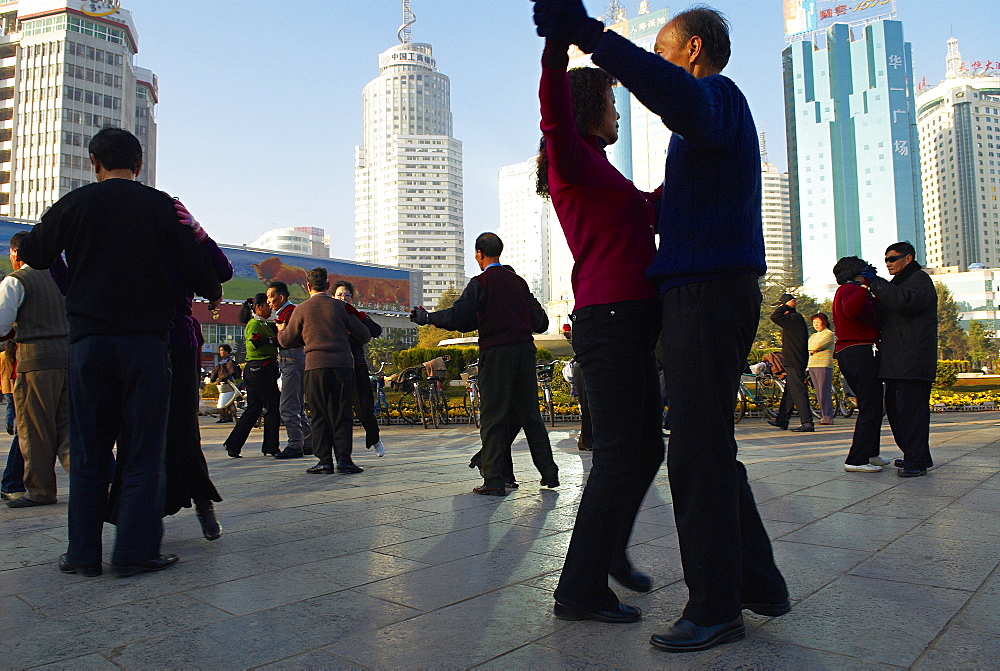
369,290
274,269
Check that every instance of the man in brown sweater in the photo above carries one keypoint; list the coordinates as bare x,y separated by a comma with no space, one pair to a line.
324,327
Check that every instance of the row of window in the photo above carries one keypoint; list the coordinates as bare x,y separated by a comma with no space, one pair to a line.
88,119
74,24
90,75
90,53
92,98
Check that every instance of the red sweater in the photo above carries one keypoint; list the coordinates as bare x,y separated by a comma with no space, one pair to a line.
608,223
854,317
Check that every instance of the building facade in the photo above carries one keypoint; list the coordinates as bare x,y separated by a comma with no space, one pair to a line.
959,125
853,155
976,292
296,240
408,171
67,69
776,218
525,226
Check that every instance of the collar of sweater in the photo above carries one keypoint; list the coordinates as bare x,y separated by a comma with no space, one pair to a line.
905,273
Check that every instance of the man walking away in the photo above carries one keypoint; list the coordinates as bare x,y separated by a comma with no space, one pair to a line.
794,357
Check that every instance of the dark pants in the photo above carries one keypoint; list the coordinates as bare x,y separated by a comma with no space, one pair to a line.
907,405
708,329
186,469
13,473
364,403
860,368
795,394
509,397
261,380
10,410
586,439
328,393
614,346
822,381
118,391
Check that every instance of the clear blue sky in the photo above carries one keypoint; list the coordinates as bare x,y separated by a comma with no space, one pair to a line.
260,101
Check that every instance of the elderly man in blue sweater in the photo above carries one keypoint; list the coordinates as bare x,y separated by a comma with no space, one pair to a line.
707,267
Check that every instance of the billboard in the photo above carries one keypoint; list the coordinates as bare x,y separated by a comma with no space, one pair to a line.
808,16
378,288
800,17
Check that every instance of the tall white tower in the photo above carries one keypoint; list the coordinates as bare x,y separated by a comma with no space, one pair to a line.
408,169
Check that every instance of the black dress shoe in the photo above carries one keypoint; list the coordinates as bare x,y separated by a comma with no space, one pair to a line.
804,428
320,468
901,472
898,463
233,452
25,502
778,425
621,614
349,468
549,483
88,570
285,454
584,448
269,453
769,609
489,491
210,527
512,485
307,451
147,566
636,581
686,636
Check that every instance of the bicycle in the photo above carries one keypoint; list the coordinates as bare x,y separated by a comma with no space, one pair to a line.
766,395
412,406
437,401
470,401
381,409
544,370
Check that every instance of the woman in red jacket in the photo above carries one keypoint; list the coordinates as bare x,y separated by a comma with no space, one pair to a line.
608,224
856,327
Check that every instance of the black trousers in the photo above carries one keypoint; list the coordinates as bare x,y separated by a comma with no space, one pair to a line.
363,403
708,329
261,381
328,393
119,389
509,397
586,439
907,405
614,346
795,394
860,368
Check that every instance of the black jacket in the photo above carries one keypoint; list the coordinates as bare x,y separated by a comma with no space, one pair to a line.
794,337
907,313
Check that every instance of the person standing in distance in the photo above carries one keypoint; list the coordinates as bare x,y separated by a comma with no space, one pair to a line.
499,304
710,257
292,361
119,233
794,357
907,314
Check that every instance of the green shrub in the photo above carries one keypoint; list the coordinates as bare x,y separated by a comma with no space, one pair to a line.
948,370
460,357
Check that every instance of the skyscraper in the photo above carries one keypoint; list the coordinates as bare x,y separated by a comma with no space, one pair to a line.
852,145
295,239
959,123
408,169
777,222
66,70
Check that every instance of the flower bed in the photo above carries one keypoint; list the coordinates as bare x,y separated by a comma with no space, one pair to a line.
946,401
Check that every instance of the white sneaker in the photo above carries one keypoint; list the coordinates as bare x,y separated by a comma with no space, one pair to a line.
863,468
379,449
879,461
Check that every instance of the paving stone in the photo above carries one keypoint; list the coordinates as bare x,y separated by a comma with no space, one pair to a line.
801,509
924,560
808,568
960,648
849,530
93,662
468,542
952,522
533,656
982,612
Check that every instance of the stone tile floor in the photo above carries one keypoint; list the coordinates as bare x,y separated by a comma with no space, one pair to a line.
402,567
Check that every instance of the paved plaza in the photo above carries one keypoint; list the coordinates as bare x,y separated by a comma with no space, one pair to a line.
401,567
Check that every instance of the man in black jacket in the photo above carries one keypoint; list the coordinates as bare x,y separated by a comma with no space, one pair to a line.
907,314
795,356
499,304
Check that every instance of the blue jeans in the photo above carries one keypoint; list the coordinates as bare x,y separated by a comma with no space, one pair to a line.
10,409
13,474
119,389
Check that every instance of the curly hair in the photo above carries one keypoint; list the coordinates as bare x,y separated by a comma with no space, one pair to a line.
588,88
848,268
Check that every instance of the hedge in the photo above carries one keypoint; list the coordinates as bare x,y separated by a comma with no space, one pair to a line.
948,370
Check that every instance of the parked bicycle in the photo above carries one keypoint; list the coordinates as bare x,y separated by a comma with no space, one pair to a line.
471,399
544,370
414,405
765,394
378,393
437,401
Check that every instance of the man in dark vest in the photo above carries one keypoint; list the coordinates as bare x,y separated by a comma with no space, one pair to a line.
794,356
31,303
499,304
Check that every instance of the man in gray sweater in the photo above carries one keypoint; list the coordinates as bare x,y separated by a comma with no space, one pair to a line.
324,327
32,304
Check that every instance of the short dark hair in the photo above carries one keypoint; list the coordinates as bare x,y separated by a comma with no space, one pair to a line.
489,244
280,287
116,149
823,317
848,268
903,248
711,26
226,347
343,283
318,279
246,311
15,240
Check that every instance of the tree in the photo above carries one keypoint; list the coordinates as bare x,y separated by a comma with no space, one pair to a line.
380,350
952,343
982,346
768,333
430,335
448,297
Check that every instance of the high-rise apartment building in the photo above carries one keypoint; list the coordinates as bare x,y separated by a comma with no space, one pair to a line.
295,240
959,125
853,158
525,226
777,222
66,71
408,170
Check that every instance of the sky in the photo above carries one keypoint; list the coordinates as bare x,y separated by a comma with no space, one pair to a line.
260,101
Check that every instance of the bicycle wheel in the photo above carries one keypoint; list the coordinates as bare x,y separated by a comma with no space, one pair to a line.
769,392
381,408
471,402
422,407
434,409
406,409
845,405
444,409
741,405
547,392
